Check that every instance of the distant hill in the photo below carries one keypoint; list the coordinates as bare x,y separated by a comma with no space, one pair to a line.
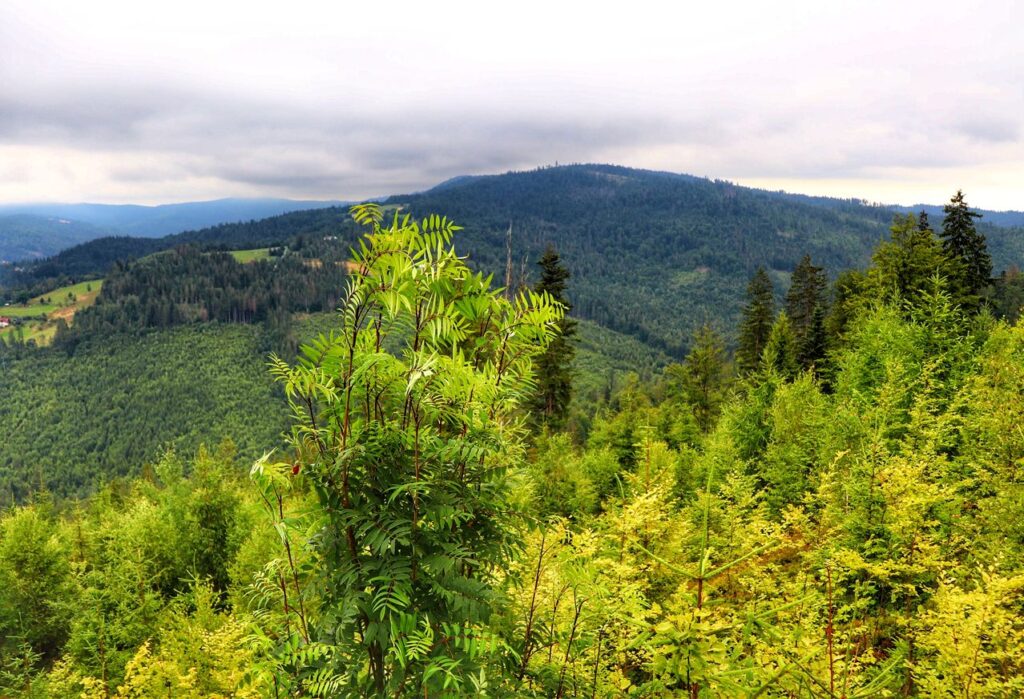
82,222
656,254
653,254
94,258
996,218
33,236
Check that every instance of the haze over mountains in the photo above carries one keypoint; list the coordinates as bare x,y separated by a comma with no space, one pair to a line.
29,231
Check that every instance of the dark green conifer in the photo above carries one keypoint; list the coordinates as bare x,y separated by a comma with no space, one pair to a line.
554,367
702,377
756,325
814,344
781,353
905,264
806,296
966,248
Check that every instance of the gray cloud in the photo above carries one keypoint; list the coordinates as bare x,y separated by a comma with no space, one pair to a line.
997,129
128,112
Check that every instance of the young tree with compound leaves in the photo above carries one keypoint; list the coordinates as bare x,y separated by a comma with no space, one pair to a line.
406,419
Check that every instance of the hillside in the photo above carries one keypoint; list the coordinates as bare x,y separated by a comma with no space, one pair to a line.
93,259
37,319
30,236
117,402
653,255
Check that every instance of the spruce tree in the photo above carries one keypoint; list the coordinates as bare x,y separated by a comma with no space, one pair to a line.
966,248
703,376
813,345
905,264
781,352
756,325
804,300
554,367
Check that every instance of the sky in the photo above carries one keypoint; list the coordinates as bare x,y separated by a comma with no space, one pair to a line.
140,102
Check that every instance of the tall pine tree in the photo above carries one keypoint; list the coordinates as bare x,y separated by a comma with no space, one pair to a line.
966,248
805,305
758,318
550,404
781,353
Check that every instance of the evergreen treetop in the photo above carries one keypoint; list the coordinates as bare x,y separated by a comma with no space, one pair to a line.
966,248
806,293
550,404
758,317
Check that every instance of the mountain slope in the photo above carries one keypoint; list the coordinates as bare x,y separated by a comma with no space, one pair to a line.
34,231
652,254
118,401
94,258
31,236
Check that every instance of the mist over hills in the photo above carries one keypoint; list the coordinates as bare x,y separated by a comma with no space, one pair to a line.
33,236
54,227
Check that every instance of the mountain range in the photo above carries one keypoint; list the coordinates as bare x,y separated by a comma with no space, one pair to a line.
30,231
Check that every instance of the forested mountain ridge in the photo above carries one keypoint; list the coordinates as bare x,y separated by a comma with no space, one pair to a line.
653,254
94,258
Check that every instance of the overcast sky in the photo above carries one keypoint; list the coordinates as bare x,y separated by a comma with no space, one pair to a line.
897,102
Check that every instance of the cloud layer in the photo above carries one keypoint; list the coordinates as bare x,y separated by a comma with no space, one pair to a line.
116,101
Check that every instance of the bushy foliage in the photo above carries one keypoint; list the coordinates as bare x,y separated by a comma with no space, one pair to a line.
405,424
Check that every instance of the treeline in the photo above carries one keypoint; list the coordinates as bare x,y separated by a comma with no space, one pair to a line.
93,259
188,285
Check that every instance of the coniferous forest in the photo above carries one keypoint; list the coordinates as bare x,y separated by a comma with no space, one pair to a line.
371,465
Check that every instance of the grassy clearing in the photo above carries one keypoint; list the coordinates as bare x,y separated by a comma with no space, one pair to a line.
42,331
30,310
245,256
40,315
75,294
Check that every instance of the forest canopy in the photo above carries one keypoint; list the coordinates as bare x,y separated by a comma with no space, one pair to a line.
838,512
